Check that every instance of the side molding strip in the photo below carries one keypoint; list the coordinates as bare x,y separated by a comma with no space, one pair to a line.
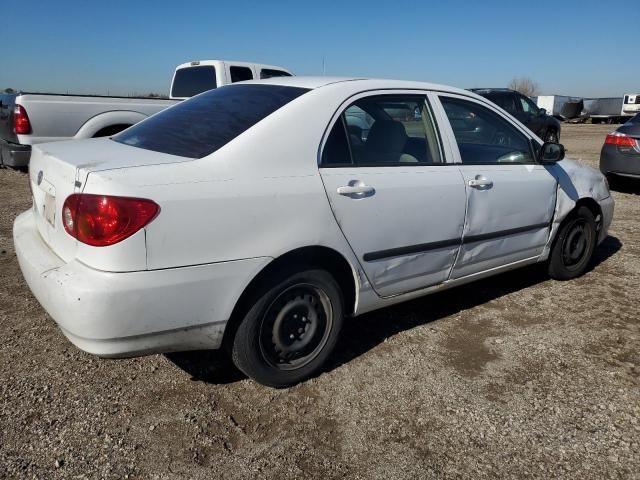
425,247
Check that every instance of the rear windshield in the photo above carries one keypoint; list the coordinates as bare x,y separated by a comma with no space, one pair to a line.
201,125
191,81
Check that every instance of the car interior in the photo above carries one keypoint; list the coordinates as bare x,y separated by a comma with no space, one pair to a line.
391,130
483,137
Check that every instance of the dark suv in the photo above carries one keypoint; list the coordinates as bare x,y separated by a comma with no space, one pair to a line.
535,119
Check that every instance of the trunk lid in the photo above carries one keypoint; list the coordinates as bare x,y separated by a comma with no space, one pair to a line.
59,169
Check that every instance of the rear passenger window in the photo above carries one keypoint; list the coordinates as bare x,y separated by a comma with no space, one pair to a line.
271,73
390,130
240,74
484,137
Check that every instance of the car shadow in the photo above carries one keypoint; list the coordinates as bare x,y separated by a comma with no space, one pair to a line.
625,185
362,333
209,366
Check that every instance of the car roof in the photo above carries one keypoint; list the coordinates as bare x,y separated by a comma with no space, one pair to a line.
357,84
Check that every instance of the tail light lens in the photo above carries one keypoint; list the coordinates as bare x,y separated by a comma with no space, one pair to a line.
101,220
621,140
21,123
625,143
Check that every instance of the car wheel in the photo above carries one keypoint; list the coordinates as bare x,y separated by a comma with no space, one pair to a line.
573,246
290,328
551,136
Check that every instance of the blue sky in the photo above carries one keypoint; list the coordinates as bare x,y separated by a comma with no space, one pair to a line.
583,48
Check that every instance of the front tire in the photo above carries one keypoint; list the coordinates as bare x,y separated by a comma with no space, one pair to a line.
573,246
290,329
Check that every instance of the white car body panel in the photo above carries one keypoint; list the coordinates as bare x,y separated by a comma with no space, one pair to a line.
407,204
115,314
515,189
225,217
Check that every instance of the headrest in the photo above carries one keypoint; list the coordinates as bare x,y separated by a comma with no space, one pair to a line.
386,136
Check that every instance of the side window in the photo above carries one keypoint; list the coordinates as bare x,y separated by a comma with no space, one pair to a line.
270,73
483,136
505,101
336,149
240,74
391,130
527,105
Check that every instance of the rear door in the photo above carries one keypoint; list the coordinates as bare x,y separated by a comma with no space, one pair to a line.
400,205
510,197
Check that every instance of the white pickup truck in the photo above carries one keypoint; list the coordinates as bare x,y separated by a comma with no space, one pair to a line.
30,118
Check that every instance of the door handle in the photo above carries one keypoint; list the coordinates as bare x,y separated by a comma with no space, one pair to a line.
356,189
480,182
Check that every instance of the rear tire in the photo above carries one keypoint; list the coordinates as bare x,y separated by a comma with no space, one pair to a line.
573,247
291,327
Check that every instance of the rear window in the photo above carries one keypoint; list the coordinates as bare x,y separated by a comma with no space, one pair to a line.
191,81
201,125
271,73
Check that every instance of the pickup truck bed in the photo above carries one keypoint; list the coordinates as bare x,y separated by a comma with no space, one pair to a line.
54,117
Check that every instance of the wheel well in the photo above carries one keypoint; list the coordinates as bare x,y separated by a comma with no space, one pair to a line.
110,130
592,205
321,257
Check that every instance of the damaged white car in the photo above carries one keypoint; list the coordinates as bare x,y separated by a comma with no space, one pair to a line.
257,216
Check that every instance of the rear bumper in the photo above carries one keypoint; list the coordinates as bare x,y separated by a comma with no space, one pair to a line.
134,313
612,161
14,155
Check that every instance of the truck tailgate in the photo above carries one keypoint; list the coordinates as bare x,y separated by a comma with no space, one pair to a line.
7,105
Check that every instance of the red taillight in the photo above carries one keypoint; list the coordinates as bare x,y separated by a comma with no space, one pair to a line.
102,220
21,124
621,140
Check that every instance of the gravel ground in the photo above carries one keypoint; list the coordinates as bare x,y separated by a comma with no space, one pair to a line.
514,376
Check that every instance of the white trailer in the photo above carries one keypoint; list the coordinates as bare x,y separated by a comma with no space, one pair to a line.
559,106
631,104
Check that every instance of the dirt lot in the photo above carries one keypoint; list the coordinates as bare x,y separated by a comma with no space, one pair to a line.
515,376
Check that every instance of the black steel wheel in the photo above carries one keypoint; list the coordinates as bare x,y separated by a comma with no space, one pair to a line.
290,328
296,326
573,246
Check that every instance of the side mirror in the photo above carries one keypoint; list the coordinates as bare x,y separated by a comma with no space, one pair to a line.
542,111
551,152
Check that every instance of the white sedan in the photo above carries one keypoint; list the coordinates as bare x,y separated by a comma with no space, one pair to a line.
257,216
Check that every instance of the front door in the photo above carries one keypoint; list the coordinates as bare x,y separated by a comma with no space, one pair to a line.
510,197
399,204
